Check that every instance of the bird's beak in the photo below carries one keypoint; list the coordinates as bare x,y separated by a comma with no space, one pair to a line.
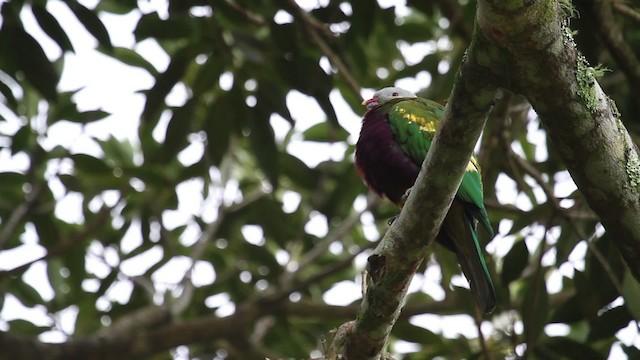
367,102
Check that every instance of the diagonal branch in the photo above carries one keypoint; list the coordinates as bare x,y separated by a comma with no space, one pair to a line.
626,10
624,55
100,220
312,27
529,42
18,215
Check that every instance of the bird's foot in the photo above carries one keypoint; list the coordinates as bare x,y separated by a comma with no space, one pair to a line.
404,197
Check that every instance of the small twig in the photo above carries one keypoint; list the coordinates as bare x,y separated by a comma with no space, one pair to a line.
603,261
295,283
335,235
533,172
602,13
64,247
483,344
144,283
252,17
199,248
31,198
538,276
581,215
453,12
537,176
312,25
332,268
18,215
146,317
514,161
626,10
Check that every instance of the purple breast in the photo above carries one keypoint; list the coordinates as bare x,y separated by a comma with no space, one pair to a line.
386,169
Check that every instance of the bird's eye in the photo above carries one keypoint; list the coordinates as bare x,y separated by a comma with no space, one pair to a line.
395,94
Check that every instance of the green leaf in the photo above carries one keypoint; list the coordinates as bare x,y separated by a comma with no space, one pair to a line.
27,295
606,325
632,351
264,145
71,183
631,294
416,334
50,25
31,59
219,129
59,284
325,132
121,152
176,27
74,262
87,314
130,57
565,348
66,109
535,308
274,95
164,83
23,139
91,165
10,99
206,77
10,179
120,7
515,262
298,172
178,129
47,229
91,22
26,328
569,312
88,116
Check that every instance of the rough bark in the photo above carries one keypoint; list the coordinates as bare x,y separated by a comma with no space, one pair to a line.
529,41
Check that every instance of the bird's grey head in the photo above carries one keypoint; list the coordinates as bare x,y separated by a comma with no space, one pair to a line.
385,94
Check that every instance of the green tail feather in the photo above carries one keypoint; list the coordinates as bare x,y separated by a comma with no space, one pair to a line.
480,280
461,230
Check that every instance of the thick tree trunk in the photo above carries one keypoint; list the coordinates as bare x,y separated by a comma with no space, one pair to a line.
530,43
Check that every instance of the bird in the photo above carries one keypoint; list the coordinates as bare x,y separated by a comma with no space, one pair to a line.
397,130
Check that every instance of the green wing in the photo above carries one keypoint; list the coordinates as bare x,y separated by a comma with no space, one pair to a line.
414,123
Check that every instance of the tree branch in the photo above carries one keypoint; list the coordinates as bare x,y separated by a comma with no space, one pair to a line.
19,214
62,248
529,43
137,344
602,15
312,26
626,10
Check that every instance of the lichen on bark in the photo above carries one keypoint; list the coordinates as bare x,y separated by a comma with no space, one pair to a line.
587,77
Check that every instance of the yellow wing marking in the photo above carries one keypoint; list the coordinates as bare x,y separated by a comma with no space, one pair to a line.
473,165
425,124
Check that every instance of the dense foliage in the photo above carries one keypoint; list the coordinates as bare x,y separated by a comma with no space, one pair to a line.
246,272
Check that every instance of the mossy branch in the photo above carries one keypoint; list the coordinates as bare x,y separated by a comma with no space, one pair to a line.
537,52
